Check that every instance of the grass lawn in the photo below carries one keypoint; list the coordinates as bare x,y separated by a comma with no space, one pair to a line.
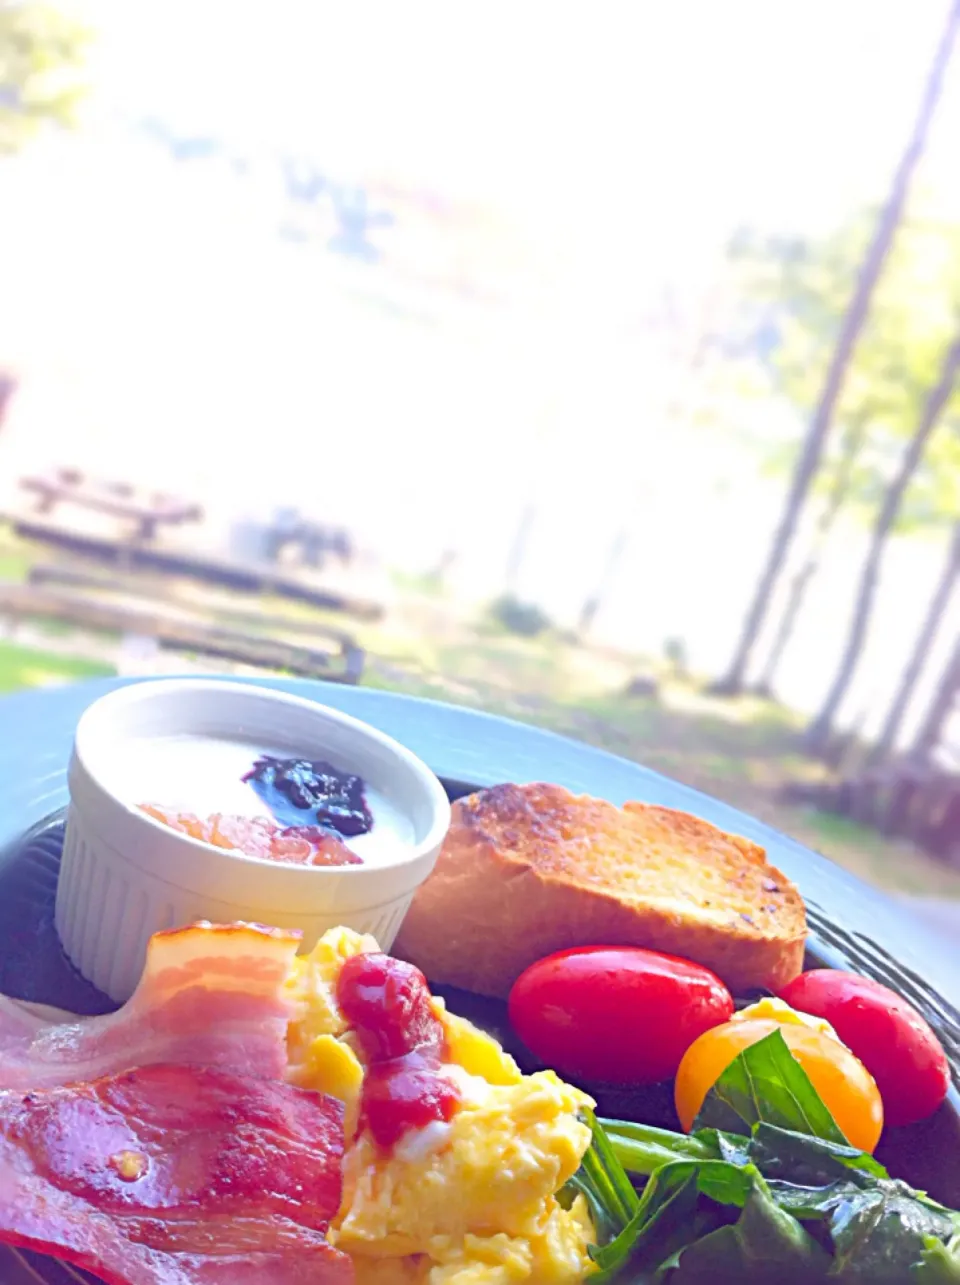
740,751
27,667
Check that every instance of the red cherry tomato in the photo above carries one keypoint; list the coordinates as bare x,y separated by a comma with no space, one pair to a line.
616,1014
889,1037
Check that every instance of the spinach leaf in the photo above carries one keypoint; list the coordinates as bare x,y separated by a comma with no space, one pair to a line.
642,1148
605,1224
668,1205
671,1214
765,1083
808,1161
604,1177
880,1230
725,1183
940,1264
811,1204
766,1189
732,1147
882,1234
765,1246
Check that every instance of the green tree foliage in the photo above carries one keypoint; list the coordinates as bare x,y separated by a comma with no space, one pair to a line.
855,316
792,297
41,59
940,396
794,292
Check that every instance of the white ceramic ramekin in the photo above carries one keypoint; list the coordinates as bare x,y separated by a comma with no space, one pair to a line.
125,876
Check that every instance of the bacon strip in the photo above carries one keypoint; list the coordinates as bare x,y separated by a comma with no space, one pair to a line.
173,1175
210,995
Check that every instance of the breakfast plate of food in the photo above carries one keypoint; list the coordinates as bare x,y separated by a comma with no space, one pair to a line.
295,989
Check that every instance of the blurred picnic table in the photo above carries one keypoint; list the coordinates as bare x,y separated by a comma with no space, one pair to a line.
146,510
121,570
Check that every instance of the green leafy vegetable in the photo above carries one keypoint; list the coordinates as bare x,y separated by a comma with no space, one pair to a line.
643,1148
669,1203
729,1146
940,1264
765,1083
808,1161
765,1246
604,1184
882,1233
607,1177
766,1190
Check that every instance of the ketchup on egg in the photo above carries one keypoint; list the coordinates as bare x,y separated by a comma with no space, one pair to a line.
388,1004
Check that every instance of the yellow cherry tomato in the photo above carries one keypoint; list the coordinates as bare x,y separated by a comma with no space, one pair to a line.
847,1088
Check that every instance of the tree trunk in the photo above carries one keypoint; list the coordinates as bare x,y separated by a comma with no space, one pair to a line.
801,581
939,710
887,740
518,550
821,728
856,314
8,388
592,605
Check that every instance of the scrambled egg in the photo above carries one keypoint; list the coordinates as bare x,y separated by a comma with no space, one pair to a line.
778,1010
468,1202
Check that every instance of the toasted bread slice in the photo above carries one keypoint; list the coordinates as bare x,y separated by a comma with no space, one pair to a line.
530,869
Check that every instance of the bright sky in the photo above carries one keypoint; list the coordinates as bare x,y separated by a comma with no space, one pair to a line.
634,131
670,114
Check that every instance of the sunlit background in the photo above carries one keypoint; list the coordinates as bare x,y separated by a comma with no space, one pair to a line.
536,302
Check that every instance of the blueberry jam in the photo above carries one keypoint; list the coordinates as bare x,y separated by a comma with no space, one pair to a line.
290,786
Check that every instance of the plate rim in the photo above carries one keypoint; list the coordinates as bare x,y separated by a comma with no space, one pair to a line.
473,746
51,1271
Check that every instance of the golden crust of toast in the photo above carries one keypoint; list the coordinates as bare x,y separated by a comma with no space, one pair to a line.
529,869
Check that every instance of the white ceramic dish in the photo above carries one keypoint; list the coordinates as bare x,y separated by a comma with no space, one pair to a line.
125,876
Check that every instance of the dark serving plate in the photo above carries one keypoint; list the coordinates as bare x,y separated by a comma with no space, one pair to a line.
851,926
34,967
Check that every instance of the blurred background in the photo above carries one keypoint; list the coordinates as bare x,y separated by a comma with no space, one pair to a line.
594,365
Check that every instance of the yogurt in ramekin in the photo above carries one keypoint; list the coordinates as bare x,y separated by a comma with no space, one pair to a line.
186,743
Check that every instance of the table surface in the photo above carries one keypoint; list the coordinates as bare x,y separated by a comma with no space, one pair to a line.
36,733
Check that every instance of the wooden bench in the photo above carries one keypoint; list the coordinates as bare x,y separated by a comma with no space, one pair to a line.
179,630
146,511
226,573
